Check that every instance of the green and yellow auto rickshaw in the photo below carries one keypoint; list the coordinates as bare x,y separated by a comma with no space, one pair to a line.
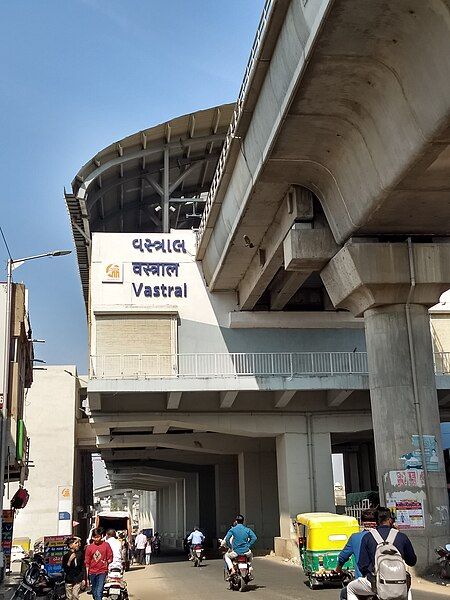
321,537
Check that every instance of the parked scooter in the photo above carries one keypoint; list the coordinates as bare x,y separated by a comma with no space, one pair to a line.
115,585
444,561
37,583
198,555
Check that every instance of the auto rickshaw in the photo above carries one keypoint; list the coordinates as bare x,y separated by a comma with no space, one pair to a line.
321,537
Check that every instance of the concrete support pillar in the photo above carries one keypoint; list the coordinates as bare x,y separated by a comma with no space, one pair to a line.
393,285
257,495
180,523
305,481
227,496
146,513
192,507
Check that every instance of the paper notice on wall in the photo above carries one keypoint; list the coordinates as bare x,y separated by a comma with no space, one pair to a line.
407,508
408,478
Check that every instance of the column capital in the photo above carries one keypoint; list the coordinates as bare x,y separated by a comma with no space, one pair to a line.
364,275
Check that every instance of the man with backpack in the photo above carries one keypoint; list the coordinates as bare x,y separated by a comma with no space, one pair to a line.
384,552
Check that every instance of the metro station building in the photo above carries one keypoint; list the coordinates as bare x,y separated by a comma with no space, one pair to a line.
250,314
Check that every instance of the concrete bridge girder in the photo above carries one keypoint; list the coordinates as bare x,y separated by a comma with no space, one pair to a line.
240,424
346,111
209,443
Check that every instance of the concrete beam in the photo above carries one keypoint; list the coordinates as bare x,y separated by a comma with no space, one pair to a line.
285,286
164,455
219,384
227,398
337,397
309,250
209,443
160,428
173,400
94,401
283,398
297,204
251,424
364,275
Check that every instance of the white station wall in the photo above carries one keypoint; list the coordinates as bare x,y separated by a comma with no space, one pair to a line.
157,274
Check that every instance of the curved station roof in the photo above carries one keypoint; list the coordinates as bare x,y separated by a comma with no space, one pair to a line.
151,181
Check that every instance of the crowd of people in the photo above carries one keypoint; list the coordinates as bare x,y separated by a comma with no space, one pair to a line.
89,568
107,550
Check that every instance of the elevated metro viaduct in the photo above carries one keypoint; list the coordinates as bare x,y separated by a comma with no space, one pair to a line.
226,369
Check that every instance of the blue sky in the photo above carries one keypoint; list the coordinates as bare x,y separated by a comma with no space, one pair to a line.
76,76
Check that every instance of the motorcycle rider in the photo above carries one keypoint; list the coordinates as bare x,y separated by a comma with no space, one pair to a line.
194,539
116,547
362,587
239,540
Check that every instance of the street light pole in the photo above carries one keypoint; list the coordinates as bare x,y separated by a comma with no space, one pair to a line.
11,265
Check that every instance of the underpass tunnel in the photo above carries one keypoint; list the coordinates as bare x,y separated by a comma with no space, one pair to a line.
202,488
275,468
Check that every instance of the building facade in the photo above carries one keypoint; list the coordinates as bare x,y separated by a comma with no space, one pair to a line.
57,471
19,381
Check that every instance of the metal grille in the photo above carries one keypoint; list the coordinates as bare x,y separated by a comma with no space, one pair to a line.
235,364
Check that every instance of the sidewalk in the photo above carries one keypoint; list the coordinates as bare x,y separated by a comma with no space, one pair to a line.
10,583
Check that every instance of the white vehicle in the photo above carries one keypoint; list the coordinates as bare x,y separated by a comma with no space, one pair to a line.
17,554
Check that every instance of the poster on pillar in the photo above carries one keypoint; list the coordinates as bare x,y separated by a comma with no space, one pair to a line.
407,508
413,459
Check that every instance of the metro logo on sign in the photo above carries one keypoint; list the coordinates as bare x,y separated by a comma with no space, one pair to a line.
112,272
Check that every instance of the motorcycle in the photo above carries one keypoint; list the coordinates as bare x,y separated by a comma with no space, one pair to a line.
37,583
243,574
444,561
197,555
115,585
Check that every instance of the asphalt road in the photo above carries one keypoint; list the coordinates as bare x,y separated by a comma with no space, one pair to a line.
175,578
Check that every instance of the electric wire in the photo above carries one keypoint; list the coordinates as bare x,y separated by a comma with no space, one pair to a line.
6,243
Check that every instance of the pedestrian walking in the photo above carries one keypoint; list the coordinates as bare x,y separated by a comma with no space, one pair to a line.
148,553
74,570
97,559
140,544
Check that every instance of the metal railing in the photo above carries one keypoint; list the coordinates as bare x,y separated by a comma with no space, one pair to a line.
251,65
442,363
238,364
235,364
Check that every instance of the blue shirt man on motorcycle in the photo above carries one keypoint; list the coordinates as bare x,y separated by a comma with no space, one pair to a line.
240,540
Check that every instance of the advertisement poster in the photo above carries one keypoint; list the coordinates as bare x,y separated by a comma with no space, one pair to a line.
413,459
408,513
430,449
54,550
7,536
